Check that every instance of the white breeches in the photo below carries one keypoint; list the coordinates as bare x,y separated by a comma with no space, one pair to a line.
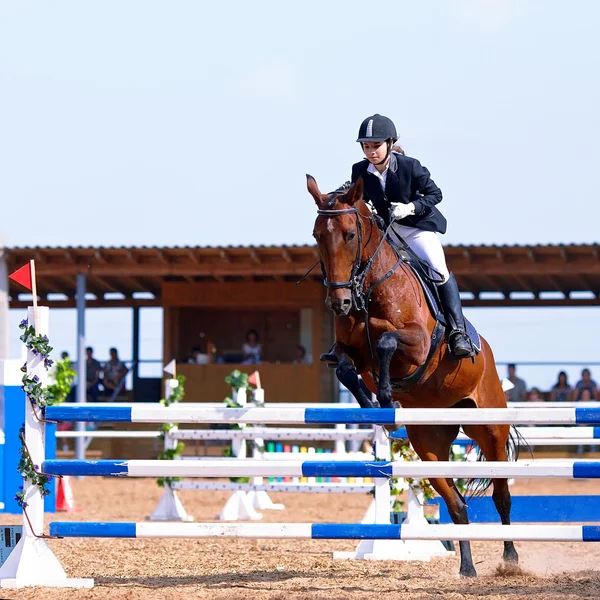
427,246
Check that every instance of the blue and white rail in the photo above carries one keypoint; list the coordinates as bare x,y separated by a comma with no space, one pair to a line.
318,531
190,413
227,467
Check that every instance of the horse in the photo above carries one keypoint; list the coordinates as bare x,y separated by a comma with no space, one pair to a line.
376,297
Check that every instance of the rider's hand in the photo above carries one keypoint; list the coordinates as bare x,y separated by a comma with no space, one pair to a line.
400,210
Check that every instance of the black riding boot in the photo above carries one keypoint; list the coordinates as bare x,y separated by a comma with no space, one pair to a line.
460,345
329,358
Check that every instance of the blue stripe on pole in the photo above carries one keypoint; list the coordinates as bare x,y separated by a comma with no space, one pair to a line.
354,531
586,469
587,415
590,533
97,530
95,414
596,432
376,416
346,469
85,467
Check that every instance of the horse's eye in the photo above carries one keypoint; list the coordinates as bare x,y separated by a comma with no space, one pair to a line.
351,236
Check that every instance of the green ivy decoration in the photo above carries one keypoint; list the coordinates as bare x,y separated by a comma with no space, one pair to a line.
237,380
39,395
177,395
38,344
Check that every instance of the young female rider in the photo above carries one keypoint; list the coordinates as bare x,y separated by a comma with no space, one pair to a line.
402,191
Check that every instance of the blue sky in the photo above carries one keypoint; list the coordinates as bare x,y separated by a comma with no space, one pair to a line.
163,123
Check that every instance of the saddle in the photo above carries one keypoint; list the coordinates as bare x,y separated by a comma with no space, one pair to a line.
423,272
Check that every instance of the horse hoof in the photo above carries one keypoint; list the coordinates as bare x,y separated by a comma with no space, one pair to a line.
511,557
468,572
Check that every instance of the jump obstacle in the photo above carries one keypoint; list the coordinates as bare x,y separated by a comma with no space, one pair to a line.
33,563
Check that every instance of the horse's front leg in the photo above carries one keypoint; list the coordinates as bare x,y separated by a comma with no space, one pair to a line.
348,377
411,343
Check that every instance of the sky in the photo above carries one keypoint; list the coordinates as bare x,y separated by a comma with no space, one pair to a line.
194,123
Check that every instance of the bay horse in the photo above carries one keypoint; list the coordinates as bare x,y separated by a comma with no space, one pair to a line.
355,254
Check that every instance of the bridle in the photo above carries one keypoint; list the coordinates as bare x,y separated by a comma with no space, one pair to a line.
359,272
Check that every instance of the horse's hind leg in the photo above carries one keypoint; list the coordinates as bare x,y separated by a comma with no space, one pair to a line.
432,443
492,440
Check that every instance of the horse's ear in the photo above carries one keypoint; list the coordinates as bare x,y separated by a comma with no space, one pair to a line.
355,193
313,190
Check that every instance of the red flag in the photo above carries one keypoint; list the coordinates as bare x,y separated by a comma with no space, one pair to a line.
254,380
23,276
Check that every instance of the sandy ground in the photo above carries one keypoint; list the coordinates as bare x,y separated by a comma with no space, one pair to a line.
296,569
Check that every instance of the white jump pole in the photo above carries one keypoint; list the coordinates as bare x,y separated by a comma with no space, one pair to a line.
32,562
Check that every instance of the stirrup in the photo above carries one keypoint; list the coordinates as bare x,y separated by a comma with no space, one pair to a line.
460,348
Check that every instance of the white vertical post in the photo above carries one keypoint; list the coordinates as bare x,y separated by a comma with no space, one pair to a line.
32,562
239,505
260,499
169,507
4,345
81,363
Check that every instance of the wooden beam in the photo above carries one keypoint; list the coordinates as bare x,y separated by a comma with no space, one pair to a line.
161,256
559,285
98,303
563,253
107,286
99,256
193,256
224,255
286,255
255,257
130,256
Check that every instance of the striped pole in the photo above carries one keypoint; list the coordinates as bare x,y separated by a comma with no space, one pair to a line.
385,416
226,467
346,531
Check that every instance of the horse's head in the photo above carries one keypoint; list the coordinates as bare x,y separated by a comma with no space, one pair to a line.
339,234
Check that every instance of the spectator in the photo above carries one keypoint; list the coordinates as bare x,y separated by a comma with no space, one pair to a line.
586,383
114,372
301,358
64,355
92,375
561,391
519,391
251,348
534,395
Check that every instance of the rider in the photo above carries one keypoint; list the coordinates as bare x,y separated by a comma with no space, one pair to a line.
402,191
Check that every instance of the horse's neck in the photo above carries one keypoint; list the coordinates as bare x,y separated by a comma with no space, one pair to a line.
385,257
403,283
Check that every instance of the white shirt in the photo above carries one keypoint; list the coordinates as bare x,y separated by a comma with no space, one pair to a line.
381,176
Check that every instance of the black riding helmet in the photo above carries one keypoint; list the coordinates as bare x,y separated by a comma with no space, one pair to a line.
378,128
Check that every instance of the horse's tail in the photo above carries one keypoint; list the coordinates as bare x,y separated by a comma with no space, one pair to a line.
478,487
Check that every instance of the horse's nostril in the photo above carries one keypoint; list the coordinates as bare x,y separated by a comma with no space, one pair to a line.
346,302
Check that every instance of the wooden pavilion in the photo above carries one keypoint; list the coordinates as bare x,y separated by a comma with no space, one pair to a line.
216,294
